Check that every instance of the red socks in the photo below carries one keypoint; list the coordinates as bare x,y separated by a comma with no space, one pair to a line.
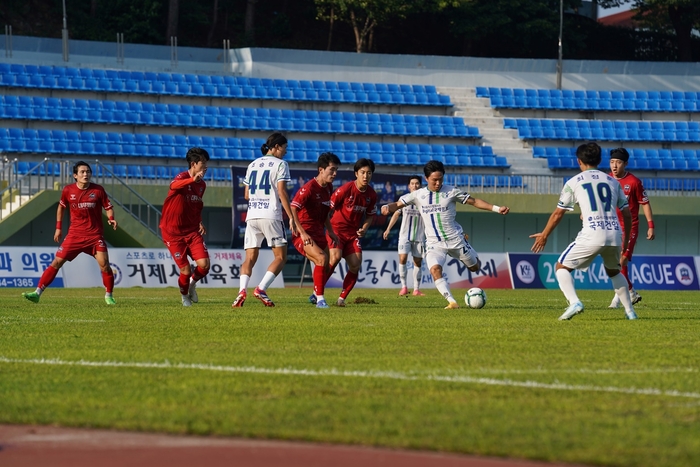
47,277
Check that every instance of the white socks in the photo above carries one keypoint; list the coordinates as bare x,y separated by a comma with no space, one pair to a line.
402,274
416,277
267,279
566,284
619,283
444,289
244,282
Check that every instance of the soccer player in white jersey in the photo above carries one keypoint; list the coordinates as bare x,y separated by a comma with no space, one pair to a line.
444,236
411,240
266,191
599,196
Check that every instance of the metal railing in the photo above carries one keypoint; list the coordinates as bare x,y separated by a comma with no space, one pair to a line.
18,185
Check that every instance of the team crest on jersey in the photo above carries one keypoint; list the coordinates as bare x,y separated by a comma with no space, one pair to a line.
92,195
72,197
627,188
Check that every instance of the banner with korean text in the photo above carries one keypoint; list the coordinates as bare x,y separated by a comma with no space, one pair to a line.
133,267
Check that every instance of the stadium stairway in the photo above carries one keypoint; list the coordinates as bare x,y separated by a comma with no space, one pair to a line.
505,142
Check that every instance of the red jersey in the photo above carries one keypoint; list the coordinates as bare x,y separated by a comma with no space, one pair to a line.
182,208
85,207
636,195
313,203
351,207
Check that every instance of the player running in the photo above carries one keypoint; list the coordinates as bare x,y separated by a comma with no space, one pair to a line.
85,201
310,208
181,224
354,206
266,191
444,236
411,240
598,196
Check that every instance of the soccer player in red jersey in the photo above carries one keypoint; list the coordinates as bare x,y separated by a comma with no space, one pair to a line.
310,208
85,202
636,196
354,206
181,224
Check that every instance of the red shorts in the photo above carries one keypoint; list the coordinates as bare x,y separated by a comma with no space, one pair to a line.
348,243
299,243
73,245
180,247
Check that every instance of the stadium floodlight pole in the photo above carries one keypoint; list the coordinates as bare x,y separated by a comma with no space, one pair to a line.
64,34
561,32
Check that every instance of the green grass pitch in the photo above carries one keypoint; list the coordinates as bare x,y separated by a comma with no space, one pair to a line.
508,380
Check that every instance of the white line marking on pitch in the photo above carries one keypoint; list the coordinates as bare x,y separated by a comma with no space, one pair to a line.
357,374
8,319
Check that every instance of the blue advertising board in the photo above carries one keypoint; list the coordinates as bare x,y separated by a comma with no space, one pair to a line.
536,271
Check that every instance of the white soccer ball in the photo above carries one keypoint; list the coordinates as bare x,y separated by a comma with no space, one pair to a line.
475,298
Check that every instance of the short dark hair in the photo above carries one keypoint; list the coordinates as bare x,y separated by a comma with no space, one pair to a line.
78,164
589,154
326,159
273,140
433,166
620,153
415,177
195,155
364,162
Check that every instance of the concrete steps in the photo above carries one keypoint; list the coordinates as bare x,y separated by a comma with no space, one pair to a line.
505,142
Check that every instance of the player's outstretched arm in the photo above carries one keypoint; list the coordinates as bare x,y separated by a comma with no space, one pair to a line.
481,204
392,207
541,237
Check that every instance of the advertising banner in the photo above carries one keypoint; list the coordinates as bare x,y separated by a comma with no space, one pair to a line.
536,271
132,267
380,269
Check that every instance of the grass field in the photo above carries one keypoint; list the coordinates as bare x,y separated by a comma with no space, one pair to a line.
507,380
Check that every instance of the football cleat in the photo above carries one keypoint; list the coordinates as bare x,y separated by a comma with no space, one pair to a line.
321,304
262,296
186,300
403,291
312,299
418,293
452,306
31,296
635,297
193,292
240,300
340,302
109,300
573,310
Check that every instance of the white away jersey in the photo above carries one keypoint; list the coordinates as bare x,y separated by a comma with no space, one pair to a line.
598,195
437,209
412,229
262,177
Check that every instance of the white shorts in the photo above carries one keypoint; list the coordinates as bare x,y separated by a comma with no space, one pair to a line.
579,256
415,249
269,229
437,253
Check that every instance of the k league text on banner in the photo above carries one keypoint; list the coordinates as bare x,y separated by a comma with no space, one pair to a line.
132,267
531,271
